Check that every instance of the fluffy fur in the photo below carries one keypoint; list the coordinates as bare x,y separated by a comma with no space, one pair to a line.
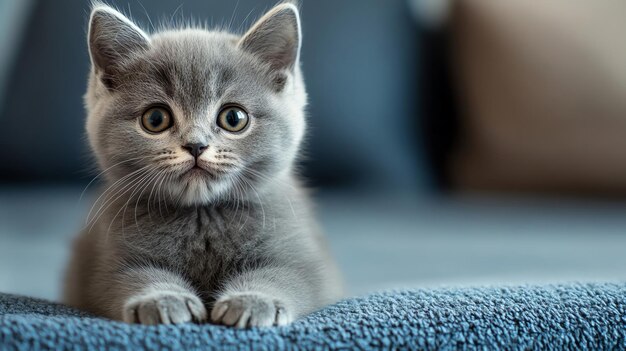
228,237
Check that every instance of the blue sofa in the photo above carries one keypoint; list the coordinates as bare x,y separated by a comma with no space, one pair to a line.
559,317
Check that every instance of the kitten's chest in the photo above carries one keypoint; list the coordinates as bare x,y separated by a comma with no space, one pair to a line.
206,243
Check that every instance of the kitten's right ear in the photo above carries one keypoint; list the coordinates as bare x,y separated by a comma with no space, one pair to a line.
276,37
112,39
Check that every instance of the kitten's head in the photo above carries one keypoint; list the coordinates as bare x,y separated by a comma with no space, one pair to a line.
199,115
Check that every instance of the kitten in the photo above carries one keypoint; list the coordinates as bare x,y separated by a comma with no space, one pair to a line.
203,219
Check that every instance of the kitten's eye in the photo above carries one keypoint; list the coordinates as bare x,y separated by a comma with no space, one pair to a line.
233,119
156,120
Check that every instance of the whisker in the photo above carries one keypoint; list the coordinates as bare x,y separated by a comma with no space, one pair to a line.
113,186
244,200
238,198
258,197
147,182
134,188
258,174
106,170
107,189
121,193
160,176
159,192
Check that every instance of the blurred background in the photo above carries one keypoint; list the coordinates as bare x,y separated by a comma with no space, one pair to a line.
458,142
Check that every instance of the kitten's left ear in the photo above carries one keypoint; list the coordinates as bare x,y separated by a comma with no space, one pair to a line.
113,38
276,37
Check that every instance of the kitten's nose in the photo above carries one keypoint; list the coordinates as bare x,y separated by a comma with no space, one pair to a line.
195,149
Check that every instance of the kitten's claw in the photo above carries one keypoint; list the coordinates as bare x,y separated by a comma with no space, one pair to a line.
164,307
250,309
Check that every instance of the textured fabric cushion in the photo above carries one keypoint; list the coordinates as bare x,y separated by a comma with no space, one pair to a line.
542,87
580,316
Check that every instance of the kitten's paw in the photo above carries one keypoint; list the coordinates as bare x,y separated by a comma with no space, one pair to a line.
250,309
164,307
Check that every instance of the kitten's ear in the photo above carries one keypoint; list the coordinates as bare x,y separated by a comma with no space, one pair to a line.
112,39
276,37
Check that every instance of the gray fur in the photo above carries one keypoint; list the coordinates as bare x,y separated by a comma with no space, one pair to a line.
236,243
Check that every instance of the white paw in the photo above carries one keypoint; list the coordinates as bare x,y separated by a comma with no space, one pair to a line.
249,309
164,307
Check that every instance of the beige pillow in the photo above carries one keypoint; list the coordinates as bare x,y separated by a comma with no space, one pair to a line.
543,92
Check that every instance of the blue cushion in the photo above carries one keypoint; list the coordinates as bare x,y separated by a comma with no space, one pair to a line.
577,316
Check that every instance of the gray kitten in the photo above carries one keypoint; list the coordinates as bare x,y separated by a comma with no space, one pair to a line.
197,133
